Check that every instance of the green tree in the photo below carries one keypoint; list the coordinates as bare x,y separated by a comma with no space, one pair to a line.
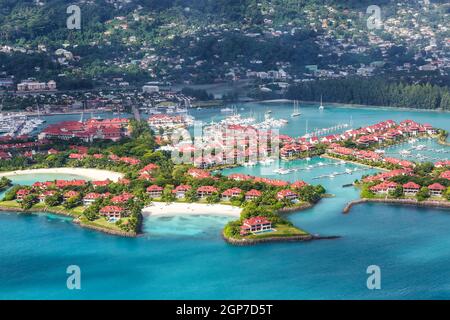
423,194
397,192
54,200
11,193
191,195
72,202
28,201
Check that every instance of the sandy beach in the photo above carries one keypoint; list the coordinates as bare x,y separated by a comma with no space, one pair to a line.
91,174
164,209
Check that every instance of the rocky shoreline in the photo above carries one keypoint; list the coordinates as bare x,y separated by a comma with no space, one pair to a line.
409,202
302,238
75,221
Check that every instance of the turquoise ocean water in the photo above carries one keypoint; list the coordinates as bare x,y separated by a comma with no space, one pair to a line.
184,257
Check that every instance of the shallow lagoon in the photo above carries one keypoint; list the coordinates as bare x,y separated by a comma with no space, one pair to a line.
185,257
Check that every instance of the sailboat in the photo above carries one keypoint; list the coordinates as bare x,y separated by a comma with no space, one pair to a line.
321,107
296,112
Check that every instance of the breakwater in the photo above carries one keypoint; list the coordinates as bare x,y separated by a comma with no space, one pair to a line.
410,202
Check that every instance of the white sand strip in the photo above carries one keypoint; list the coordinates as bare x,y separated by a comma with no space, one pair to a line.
164,209
91,174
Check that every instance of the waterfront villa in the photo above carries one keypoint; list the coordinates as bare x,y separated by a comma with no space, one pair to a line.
180,191
252,195
44,195
155,191
21,194
206,191
230,193
70,194
112,212
287,194
90,198
384,187
410,189
436,189
255,225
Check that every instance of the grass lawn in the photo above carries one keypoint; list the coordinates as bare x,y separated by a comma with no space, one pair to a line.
102,223
282,230
10,204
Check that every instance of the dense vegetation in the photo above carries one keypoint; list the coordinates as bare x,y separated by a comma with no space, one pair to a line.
374,92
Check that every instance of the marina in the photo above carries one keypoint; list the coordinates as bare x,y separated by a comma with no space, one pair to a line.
18,125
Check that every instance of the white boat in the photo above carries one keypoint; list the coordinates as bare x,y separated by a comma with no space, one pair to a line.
226,110
296,112
321,107
404,152
421,147
281,171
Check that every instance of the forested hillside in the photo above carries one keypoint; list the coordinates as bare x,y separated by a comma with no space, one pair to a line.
208,41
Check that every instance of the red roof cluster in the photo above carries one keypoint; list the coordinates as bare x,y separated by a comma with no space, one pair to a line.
124,197
298,184
69,183
440,164
446,175
387,175
199,173
384,186
108,129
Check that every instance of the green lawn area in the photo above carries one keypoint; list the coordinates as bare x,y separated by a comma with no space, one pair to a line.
102,223
282,230
10,204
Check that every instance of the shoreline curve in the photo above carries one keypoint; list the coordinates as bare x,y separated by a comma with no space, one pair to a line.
177,209
89,173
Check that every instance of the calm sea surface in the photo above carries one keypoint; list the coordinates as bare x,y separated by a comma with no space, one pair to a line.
184,257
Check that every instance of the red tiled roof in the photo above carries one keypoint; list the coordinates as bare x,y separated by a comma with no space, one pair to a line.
108,209
155,188
231,192
253,193
209,189
436,186
445,175
411,185
256,221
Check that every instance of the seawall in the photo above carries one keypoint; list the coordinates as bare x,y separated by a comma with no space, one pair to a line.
409,202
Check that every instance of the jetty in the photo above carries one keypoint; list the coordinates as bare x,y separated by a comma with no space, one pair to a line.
410,202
